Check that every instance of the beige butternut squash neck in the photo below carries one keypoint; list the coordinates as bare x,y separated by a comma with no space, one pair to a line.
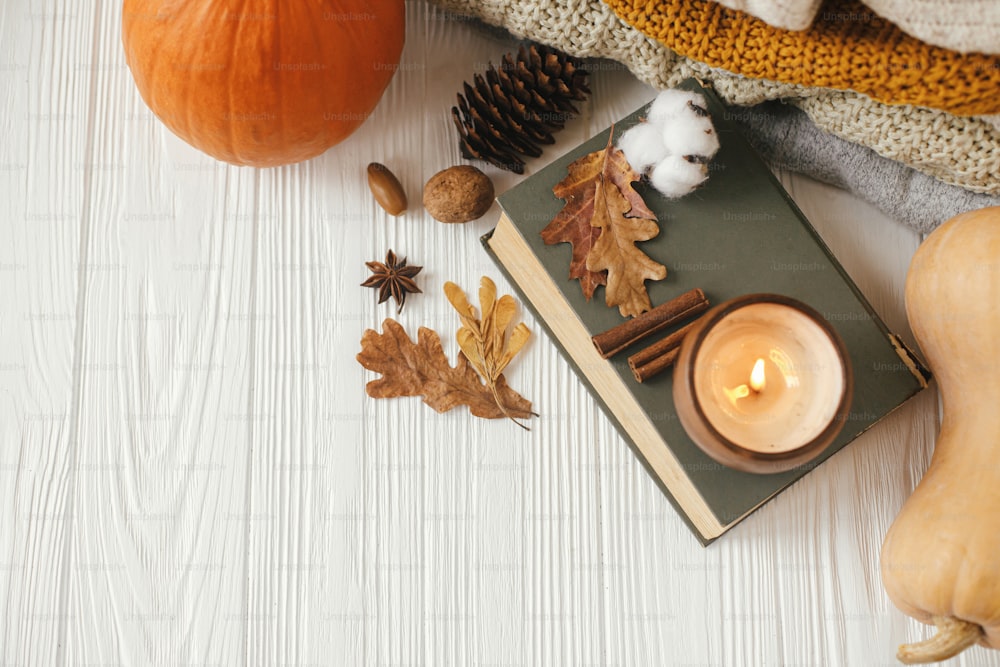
951,638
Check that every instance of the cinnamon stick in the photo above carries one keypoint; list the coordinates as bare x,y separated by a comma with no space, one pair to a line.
659,356
678,309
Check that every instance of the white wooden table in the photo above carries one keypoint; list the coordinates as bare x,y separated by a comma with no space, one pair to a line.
191,472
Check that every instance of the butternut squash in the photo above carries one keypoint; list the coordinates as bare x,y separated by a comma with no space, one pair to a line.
940,560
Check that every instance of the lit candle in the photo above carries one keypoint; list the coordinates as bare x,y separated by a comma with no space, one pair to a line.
762,383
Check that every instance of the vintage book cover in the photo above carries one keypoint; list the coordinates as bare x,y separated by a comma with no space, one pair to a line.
739,233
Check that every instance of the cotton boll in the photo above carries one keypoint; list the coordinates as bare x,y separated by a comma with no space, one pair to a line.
683,128
671,103
676,177
690,134
642,145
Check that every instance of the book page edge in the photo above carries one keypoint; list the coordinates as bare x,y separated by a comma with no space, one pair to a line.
512,250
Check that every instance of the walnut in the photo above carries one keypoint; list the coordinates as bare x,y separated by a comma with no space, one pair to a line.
458,194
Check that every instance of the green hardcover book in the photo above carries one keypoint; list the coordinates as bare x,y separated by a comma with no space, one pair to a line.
737,234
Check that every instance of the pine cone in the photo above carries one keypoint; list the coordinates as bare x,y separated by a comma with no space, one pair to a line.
514,109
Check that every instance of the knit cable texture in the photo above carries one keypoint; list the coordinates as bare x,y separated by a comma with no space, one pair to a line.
961,151
962,25
848,47
787,14
965,26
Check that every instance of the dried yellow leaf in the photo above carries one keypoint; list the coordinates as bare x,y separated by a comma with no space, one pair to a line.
485,342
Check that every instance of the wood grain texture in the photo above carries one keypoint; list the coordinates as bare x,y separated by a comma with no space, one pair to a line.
191,473
46,146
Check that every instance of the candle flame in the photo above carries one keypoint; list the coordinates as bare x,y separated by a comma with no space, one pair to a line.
757,376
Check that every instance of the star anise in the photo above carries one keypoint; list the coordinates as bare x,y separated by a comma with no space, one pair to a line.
392,278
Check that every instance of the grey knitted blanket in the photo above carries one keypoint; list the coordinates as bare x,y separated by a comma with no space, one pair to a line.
787,139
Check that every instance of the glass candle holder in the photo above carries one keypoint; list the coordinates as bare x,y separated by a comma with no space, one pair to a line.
763,383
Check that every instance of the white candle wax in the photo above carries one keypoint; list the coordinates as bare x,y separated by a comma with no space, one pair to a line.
804,378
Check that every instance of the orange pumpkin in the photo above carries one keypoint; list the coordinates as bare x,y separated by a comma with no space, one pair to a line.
262,83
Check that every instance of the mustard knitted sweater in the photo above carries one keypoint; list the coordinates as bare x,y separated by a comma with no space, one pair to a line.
847,47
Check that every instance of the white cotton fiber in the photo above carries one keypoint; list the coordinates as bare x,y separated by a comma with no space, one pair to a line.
643,146
671,103
675,126
676,177
690,134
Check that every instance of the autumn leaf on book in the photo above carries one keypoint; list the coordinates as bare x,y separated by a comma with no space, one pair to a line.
421,368
615,252
601,202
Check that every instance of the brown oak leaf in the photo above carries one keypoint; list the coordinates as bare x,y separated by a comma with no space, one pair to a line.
604,168
421,369
615,252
